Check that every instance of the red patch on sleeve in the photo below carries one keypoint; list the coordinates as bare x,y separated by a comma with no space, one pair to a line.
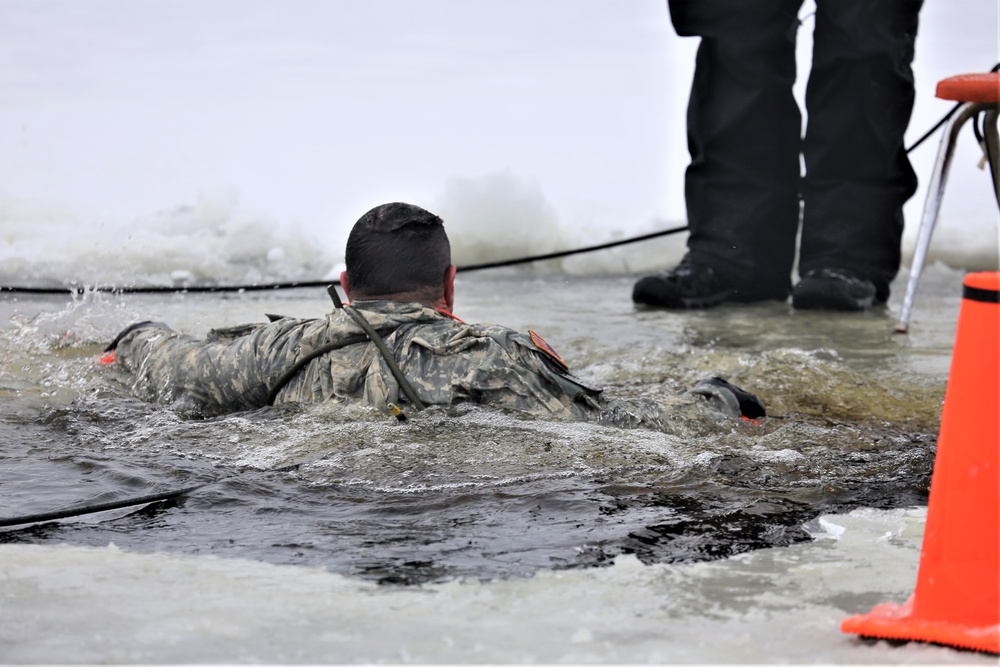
546,349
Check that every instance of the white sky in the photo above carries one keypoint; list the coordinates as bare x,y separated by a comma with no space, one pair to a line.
314,110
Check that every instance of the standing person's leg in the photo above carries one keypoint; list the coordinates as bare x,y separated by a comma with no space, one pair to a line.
744,130
859,99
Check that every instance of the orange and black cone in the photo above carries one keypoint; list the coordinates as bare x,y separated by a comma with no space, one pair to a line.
956,600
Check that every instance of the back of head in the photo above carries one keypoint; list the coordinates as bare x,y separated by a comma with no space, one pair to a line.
397,249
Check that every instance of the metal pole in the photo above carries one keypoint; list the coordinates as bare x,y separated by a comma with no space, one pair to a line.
932,205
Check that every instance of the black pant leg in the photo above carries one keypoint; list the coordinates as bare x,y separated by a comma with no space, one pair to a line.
859,99
744,129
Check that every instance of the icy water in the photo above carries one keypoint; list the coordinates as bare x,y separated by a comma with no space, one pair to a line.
567,541
166,142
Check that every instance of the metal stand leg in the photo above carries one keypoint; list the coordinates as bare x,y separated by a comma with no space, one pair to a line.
932,205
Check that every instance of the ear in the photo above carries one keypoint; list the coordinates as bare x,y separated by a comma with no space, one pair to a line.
449,286
343,285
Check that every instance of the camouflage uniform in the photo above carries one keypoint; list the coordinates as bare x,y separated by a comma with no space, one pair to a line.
445,360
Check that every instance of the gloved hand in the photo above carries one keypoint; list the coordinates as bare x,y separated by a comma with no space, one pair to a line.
744,402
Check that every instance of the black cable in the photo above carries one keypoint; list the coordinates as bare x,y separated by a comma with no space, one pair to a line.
944,119
304,361
566,253
975,128
6,522
158,289
100,507
991,159
387,354
937,126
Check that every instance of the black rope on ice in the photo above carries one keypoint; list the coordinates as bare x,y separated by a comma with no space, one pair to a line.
100,507
6,522
159,289
567,253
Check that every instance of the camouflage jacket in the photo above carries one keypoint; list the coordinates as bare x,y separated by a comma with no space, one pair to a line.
445,360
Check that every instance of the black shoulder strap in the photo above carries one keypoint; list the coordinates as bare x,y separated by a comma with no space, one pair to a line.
386,353
287,376
370,334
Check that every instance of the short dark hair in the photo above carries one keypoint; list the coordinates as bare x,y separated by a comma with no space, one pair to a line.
395,249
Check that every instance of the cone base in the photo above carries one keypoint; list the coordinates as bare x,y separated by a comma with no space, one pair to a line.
893,621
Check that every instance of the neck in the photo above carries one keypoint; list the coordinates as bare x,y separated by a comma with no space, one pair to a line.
406,297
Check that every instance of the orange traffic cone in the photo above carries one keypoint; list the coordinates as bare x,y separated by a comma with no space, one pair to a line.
957,597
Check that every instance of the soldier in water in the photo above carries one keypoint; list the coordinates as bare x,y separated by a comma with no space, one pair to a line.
396,347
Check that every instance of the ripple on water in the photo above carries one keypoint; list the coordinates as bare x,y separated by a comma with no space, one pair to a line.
463,491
